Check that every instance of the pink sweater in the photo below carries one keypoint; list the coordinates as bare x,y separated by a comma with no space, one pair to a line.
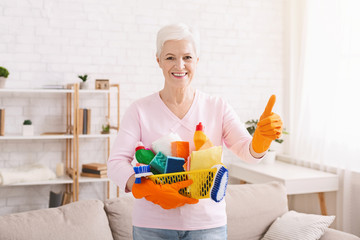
148,119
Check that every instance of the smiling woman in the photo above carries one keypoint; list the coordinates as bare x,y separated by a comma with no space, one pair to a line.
177,109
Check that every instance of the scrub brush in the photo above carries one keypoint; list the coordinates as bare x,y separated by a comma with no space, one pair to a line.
141,171
218,189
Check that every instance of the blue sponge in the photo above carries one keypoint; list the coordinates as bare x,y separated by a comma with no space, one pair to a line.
174,164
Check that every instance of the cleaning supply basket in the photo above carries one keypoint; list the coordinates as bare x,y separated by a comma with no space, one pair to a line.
202,181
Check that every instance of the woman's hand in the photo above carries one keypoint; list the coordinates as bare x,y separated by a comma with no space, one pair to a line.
167,195
268,128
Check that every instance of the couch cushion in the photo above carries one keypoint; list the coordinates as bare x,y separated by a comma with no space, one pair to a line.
79,220
119,211
251,209
298,226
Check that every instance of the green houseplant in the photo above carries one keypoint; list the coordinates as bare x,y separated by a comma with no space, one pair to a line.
4,73
28,128
83,83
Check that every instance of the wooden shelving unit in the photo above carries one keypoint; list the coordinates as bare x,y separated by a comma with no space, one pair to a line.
75,166
72,137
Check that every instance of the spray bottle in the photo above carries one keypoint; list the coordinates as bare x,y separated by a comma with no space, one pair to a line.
142,154
199,136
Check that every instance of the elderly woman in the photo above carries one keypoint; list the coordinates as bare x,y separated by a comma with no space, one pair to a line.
160,212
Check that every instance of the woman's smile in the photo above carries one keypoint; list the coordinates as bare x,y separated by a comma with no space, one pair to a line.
179,74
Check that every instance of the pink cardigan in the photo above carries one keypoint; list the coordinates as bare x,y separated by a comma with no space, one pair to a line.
148,119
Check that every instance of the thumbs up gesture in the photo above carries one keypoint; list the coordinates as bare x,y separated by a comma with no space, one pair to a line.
268,128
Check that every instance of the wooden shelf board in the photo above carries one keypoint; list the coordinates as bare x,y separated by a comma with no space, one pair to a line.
96,135
60,180
36,137
90,179
35,90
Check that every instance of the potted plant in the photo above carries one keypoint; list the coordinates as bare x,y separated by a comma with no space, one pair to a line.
4,73
83,83
270,156
106,126
28,128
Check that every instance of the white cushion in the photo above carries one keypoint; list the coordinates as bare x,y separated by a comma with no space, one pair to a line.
293,225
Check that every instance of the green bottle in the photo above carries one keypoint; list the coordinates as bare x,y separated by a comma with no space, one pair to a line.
143,155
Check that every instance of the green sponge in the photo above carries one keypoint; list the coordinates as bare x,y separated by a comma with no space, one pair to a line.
158,163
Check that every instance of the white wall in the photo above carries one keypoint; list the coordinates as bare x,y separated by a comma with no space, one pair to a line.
52,41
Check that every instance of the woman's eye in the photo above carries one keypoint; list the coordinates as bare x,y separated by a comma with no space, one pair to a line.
170,58
188,57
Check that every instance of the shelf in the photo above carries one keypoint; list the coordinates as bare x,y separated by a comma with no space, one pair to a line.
96,135
90,179
44,90
35,90
93,91
36,137
72,152
60,180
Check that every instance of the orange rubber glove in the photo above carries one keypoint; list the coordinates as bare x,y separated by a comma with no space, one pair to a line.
268,128
166,195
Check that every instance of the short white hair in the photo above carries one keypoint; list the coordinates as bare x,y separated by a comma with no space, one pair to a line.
177,31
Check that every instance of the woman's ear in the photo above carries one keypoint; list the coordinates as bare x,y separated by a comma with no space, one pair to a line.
158,61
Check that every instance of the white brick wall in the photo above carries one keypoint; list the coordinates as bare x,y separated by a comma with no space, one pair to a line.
52,41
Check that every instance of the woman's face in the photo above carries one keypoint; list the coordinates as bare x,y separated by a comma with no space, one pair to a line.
178,62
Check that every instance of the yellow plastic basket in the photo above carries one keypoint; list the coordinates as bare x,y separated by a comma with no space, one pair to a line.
202,181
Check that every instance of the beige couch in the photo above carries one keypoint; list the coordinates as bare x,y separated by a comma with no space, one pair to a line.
251,209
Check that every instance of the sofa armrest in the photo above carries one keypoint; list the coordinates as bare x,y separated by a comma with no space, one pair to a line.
332,234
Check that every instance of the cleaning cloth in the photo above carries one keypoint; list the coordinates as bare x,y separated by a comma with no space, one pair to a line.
207,158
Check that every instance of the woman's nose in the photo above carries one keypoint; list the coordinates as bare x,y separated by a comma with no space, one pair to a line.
180,63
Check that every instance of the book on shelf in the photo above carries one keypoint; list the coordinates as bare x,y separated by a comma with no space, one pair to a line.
93,175
2,121
84,121
87,170
95,166
88,120
84,131
66,198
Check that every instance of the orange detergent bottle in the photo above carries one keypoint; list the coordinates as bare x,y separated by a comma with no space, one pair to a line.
199,136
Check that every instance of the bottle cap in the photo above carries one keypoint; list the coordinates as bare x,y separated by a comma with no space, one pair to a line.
139,148
199,127
139,145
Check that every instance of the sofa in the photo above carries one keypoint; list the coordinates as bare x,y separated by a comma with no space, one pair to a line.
252,209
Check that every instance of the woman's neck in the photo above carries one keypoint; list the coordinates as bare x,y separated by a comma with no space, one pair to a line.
177,96
178,101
